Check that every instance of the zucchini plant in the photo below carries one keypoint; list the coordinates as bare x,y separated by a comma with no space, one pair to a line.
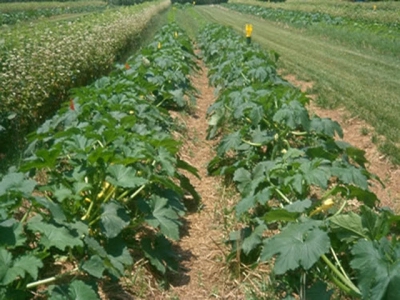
294,175
101,181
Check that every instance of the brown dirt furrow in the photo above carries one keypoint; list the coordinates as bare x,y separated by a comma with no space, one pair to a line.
202,270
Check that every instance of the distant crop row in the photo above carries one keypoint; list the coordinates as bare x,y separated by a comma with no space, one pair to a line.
303,18
40,63
13,16
102,181
306,205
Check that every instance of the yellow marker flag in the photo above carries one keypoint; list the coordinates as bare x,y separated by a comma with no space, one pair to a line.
249,30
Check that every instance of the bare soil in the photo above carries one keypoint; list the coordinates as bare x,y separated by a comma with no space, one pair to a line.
203,273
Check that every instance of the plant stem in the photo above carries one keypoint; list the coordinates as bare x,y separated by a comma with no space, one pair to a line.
49,280
341,208
25,215
327,194
251,143
137,191
283,196
353,289
109,195
88,211
122,195
339,264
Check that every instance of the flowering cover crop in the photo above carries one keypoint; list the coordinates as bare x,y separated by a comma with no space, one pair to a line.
292,174
11,14
113,184
40,62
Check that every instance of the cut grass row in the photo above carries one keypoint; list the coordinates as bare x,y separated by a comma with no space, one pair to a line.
364,80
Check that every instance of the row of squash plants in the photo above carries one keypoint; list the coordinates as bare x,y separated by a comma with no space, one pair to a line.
42,61
102,181
306,206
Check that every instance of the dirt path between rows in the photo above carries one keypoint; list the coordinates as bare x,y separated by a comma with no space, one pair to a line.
203,274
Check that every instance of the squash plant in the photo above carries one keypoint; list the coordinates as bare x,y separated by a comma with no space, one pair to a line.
101,180
294,175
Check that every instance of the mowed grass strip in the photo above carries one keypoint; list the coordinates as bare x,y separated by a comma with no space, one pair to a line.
365,81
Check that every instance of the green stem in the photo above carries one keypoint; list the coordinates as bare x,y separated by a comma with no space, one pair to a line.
94,221
299,133
122,195
251,143
341,208
342,286
49,280
244,77
339,264
327,194
88,211
110,193
283,196
25,216
353,289
137,191
100,143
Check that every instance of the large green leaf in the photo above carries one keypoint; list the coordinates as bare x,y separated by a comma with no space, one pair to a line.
318,291
229,142
298,245
376,225
53,236
11,270
254,239
118,257
247,182
17,182
348,227
77,290
124,177
293,115
114,218
11,233
316,173
326,126
160,254
298,206
349,174
281,215
161,214
94,266
378,267
167,161
81,291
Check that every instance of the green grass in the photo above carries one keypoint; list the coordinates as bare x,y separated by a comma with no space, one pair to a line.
363,78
